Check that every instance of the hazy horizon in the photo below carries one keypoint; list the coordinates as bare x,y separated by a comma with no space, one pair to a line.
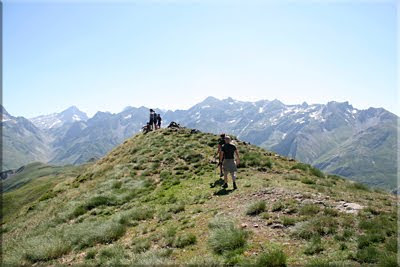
104,56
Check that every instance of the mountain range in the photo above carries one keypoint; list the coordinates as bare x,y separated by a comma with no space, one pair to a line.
336,137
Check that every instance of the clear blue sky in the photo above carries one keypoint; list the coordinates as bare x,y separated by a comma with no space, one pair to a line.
105,56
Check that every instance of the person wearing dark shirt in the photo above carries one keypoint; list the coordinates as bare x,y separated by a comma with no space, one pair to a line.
221,142
228,152
152,121
159,121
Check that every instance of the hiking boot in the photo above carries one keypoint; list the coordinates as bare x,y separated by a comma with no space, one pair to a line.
234,186
225,185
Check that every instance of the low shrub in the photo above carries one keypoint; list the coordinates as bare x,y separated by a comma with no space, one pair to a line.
185,240
307,180
320,226
322,263
388,260
177,208
359,186
111,256
91,254
256,208
331,212
226,237
370,238
87,234
292,176
300,166
157,257
220,222
204,260
391,245
368,254
309,209
116,185
288,221
45,248
314,247
164,216
277,206
78,211
317,172
165,175
99,201
140,245
274,257
140,214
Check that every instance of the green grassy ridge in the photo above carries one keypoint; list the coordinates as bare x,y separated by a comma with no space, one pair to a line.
151,201
37,181
34,171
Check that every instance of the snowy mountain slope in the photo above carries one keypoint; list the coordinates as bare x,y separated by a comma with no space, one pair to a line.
56,120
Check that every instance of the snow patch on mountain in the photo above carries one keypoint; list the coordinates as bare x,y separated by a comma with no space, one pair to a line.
55,120
76,118
55,123
317,115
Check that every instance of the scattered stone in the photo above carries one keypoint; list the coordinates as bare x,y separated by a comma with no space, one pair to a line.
277,226
300,196
348,207
255,225
243,225
319,202
286,211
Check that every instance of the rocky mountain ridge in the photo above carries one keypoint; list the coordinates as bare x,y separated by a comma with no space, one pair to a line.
336,137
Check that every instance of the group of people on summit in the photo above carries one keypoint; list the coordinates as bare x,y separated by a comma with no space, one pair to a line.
154,122
226,150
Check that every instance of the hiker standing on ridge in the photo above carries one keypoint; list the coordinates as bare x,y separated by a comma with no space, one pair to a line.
158,122
230,166
152,119
221,142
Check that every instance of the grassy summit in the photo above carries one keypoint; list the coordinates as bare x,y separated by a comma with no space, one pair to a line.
156,199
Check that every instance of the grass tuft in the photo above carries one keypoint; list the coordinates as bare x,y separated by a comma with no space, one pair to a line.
256,208
185,240
226,237
274,257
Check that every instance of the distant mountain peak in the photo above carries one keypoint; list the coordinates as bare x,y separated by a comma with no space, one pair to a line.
210,99
73,110
56,120
4,111
304,104
230,99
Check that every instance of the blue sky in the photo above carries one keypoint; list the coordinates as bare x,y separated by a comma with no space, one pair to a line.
104,56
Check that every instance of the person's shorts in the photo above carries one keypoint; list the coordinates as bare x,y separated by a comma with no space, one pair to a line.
229,165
